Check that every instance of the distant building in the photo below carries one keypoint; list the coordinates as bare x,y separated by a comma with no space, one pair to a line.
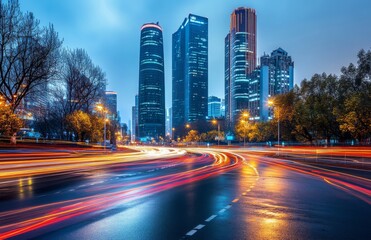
274,76
190,71
111,104
151,83
240,60
134,120
214,107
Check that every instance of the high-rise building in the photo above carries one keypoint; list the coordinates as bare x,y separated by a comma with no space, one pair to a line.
151,83
281,71
190,71
240,60
111,104
274,76
214,107
222,108
134,120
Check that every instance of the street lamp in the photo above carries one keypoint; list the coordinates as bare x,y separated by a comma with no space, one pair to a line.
104,113
271,104
245,118
214,121
172,134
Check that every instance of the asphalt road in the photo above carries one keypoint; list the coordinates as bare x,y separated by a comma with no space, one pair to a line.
199,195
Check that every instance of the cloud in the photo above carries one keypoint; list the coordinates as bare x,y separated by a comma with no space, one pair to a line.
103,15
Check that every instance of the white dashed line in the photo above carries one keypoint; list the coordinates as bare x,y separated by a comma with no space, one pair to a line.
190,233
199,226
210,218
222,211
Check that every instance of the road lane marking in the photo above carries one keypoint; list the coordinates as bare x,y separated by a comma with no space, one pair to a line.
228,207
199,226
210,218
235,200
190,233
222,211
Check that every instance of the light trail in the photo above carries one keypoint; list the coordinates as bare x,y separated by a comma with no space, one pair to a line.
357,186
211,163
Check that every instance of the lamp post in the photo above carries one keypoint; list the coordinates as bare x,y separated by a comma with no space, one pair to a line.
188,126
172,133
104,113
245,116
214,121
105,130
271,103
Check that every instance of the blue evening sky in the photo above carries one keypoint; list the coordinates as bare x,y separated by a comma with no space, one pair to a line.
320,35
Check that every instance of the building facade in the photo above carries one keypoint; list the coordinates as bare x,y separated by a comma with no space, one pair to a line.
240,61
190,71
151,94
274,76
111,104
214,107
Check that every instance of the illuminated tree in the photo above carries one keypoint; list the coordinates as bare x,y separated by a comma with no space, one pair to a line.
9,122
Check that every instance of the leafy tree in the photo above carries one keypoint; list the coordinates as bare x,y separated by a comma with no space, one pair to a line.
79,122
313,111
9,122
244,129
192,136
96,131
356,118
354,111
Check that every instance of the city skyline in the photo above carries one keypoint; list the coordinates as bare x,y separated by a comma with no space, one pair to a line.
315,50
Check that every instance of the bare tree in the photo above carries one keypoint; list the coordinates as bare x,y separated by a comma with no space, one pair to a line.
29,53
85,82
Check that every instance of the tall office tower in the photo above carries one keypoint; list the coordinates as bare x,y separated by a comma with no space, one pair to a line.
240,61
214,107
190,71
111,104
274,76
151,83
281,71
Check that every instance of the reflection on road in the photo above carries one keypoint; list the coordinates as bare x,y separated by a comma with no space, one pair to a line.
108,187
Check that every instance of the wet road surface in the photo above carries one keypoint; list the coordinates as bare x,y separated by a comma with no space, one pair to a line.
202,194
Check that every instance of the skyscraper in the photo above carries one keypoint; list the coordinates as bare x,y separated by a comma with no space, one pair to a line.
274,76
214,107
240,60
190,71
151,97
111,104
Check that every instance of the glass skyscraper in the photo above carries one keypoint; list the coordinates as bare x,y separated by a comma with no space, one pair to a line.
240,61
151,97
111,104
214,107
190,71
274,76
